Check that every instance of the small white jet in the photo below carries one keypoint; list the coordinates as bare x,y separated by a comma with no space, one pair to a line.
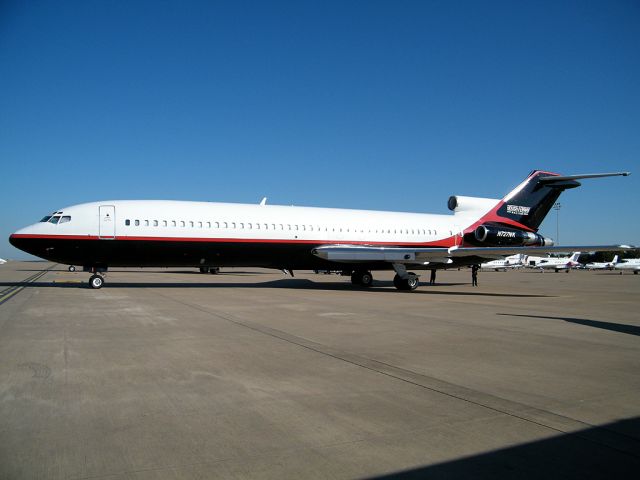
602,265
632,264
557,264
2,260
512,261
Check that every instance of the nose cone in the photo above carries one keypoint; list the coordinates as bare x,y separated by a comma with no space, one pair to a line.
17,240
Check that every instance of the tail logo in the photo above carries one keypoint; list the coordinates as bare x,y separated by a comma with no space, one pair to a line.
518,210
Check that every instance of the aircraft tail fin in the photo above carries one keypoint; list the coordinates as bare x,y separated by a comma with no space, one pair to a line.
528,204
615,260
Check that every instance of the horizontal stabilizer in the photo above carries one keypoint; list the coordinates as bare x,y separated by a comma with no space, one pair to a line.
564,178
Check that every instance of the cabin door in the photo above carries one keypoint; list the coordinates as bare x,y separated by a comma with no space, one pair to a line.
457,235
107,221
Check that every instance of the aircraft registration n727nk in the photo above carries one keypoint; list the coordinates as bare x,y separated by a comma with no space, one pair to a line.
158,233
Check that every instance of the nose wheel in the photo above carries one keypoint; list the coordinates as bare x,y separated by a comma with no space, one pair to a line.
96,281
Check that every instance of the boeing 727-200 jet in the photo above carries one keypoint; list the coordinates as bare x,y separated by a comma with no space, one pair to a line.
152,233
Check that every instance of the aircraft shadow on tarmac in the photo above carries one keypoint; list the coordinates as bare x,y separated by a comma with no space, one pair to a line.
289,283
614,327
609,451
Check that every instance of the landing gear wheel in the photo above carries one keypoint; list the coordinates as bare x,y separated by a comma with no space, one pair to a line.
72,268
214,270
410,283
364,279
96,281
204,269
413,281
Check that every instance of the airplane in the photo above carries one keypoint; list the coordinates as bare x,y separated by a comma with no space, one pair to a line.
632,264
557,264
152,233
602,265
2,260
512,261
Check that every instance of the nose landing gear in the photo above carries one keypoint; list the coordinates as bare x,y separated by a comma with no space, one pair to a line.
96,281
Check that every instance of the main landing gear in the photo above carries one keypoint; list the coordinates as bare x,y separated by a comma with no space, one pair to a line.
409,283
212,270
72,268
406,281
362,278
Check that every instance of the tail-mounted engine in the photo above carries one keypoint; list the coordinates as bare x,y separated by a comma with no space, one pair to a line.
496,236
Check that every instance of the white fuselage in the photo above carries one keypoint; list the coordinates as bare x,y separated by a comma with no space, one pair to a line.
200,220
632,264
564,263
513,261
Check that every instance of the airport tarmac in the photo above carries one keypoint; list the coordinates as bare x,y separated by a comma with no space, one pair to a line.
169,373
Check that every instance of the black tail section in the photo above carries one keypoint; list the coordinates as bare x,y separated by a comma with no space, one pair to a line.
530,201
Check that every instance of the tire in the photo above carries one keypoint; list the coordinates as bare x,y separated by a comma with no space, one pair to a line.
96,281
214,270
366,279
406,284
412,282
204,269
72,268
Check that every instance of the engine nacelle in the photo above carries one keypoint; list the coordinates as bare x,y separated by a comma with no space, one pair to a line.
494,236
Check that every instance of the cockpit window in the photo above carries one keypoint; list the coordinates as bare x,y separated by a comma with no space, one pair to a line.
46,219
55,219
65,219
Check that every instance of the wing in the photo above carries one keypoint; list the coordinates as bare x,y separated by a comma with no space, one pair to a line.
346,253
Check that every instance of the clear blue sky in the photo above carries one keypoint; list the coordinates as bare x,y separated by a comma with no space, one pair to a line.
389,105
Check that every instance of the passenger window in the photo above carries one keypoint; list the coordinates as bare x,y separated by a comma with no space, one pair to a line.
217,224
127,222
155,223
200,224
242,225
65,219
164,223
137,223
225,225
208,224
257,226
191,223
182,224
146,223
173,223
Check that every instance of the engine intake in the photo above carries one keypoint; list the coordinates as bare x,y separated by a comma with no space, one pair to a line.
493,236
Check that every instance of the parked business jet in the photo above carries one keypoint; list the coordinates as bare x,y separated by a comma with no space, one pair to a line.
2,260
196,234
512,261
602,265
631,264
557,264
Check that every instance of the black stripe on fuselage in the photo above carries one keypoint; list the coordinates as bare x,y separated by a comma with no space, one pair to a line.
181,253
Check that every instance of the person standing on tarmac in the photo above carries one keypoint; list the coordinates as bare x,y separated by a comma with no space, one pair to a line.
474,275
432,280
